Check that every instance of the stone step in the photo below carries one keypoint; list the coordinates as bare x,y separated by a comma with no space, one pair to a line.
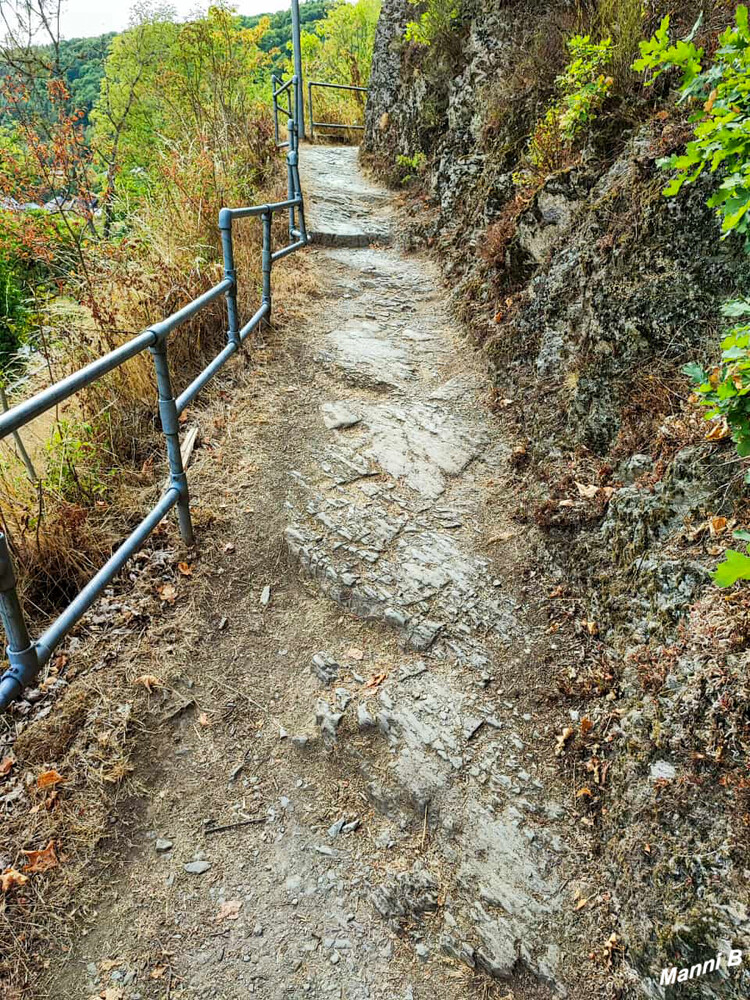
342,207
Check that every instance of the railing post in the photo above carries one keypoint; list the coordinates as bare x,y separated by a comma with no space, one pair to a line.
225,227
310,107
171,426
266,263
22,655
275,100
296,216
291,161
299,108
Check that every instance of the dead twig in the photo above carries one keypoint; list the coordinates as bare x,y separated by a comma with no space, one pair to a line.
233,826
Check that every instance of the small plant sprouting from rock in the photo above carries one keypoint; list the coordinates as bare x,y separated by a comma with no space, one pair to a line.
583,85
411,168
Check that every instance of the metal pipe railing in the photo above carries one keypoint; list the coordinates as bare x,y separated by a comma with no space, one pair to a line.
26,657
284,88
329,86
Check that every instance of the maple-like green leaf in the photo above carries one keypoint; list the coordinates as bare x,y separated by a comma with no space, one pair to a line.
736,566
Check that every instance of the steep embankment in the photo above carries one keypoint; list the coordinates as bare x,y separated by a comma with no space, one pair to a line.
589,291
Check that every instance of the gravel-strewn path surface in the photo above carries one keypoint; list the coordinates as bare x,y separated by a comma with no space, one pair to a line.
370,701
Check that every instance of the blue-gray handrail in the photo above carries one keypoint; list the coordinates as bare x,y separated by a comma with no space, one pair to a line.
329,86
26,658
281,89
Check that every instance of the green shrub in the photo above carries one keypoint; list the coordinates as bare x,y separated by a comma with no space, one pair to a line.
436,23
582,88
721,146
722,123
582,84
14,311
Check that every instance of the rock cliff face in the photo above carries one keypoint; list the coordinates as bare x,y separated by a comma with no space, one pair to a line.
588,296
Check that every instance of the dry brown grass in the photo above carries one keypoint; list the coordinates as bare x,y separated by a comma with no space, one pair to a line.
104,460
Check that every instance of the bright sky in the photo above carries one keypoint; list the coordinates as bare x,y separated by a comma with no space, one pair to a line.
83,18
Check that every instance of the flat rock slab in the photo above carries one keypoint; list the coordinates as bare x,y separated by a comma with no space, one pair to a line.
370,355
421,444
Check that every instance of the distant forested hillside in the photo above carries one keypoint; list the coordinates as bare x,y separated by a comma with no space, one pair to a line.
279,34
82,63
82,59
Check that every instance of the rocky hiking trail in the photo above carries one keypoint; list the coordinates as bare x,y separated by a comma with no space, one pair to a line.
361,798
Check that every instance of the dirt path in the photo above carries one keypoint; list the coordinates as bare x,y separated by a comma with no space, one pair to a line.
366,719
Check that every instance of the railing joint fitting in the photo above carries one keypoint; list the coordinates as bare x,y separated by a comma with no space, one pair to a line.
179,482
24,665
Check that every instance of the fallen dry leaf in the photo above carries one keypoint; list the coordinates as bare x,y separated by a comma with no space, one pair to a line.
48,779
60,662
612,945
204,719
167,592
5,765
185,569
502,536
718,431
584,791
717,525
107,964
562,739
230,910
12,879
581,903
587,491
230,547
376,680
112,993
586,725
354,653
149,682
41,861
158,972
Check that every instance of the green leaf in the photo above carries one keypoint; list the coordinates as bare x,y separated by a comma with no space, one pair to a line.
741,535
736,566
736,307
695,372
